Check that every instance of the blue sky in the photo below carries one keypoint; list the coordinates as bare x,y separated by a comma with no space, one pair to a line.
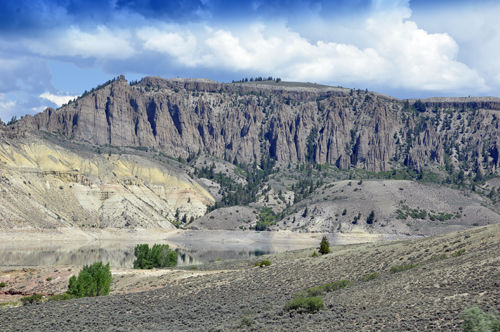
53,50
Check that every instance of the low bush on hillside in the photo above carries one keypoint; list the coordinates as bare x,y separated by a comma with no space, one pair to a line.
93,280
246,321
2,284
310,300
265,262
307,304
32,299
60,297
458,253
332,287
371,276
401,268
438,258
476,320
158,256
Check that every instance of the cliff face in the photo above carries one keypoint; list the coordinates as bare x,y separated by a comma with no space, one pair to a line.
343,127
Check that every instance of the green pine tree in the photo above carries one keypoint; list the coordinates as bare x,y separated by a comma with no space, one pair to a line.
324,246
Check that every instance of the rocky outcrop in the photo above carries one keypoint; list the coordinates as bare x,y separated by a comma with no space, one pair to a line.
342,127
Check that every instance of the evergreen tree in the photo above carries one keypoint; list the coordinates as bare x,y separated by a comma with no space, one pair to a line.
324,246
371,218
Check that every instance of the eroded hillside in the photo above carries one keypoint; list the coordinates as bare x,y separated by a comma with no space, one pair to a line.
48,185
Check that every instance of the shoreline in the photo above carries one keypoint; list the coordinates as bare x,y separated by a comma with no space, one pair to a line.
16,237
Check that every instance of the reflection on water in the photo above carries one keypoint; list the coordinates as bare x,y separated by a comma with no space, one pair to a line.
121,254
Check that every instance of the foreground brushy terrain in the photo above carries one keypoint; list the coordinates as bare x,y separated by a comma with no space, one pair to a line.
453,271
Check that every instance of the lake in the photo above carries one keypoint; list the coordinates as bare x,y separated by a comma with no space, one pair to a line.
121,253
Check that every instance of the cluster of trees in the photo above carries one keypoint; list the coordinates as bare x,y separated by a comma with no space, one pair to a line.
134,82
12,121
93,280
267,217
258,79
159,255
304,187
234,193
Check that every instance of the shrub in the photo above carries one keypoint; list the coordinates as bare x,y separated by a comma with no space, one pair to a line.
324,246
35,298
371,276
458,253
246,321
314,254
476,320
401,268
315,291
263,263
158,256
193,268
93,280
307,304
48,279
332,287
60,297
438,258
2,284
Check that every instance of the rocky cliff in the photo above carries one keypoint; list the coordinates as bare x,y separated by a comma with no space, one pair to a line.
343,127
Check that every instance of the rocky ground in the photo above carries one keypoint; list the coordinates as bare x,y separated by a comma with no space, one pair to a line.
235,295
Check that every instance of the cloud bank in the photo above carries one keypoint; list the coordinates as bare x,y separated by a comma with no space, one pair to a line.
381,45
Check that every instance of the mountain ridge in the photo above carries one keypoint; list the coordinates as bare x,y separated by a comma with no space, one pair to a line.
181,116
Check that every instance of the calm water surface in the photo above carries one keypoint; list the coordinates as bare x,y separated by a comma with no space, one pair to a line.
121,254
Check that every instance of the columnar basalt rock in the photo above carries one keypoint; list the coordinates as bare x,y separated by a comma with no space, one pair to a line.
355,129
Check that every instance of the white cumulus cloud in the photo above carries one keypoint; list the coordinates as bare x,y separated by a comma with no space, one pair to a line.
102,43
57,99
171,43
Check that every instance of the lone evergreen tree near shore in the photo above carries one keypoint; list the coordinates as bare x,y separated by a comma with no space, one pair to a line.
324,246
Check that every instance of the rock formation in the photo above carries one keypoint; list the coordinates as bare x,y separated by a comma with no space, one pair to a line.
343,127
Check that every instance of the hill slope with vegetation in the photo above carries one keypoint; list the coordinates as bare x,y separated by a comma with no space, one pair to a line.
420,284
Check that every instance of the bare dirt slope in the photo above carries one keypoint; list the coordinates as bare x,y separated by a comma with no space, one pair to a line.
429,296
57,183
